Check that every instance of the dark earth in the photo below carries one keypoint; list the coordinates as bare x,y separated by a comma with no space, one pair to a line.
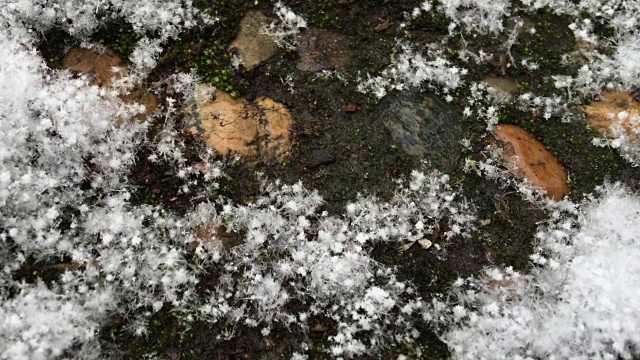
347,143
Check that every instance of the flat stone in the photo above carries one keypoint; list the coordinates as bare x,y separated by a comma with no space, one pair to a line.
143,97
425,127
615,109
322,50
532,160
253,47
97,64
258,130
501,87
100,66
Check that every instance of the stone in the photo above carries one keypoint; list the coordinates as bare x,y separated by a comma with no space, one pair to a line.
531,160
582,53
501,87
252,46
605,114
98,64
383,26
274,130
426,127
143,97
321,157
322,50
259,129
211,235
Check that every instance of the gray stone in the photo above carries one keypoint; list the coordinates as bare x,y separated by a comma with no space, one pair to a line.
320,157
426,127
252,46
501,87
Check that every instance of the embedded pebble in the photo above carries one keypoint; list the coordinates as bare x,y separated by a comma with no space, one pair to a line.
260,129
531,160
252,46
616,109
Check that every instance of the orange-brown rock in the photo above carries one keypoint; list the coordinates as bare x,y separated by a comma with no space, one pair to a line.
228,126
99,65
531,160
615,108
211,235
143,97
260,129
102,67
274,129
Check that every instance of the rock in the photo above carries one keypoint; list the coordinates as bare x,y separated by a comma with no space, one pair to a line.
322,50
582,53
212,236
143,97
383,26
103,67
605,114
260,129
501,87
426,127
321,157
252,46
532,161
99,65
274,130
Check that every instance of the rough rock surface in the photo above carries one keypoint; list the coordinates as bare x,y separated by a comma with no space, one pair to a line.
322,50
427,128
532,161
260,129
615,109
252,46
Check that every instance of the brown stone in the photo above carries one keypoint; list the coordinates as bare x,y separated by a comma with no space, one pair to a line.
532,161
582,53
322,50
211,235
260,129
143,97
603,114
97,64
384,26
252,46
100,66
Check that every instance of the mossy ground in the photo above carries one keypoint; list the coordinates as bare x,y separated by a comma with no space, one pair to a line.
367,159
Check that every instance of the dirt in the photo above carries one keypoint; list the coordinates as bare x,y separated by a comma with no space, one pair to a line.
343,148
